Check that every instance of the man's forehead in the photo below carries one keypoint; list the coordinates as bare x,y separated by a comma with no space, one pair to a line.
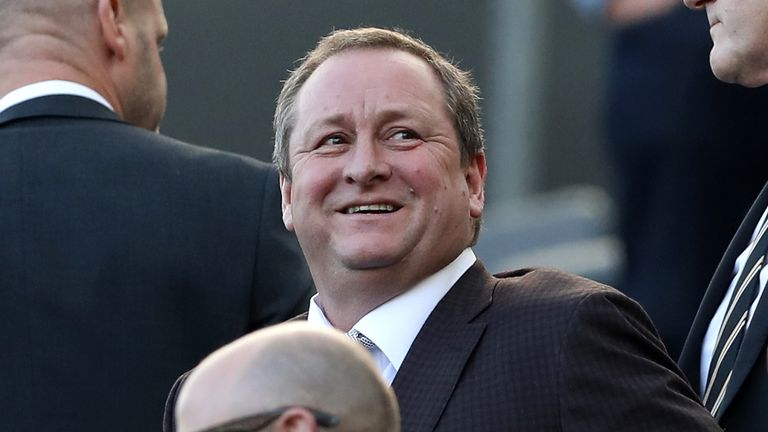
380,66
364,82
380,103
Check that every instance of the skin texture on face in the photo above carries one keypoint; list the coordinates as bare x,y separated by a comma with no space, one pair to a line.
739,31
379,199
143,89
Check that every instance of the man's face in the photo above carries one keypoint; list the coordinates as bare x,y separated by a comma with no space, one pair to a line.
144,97
739,30
377,181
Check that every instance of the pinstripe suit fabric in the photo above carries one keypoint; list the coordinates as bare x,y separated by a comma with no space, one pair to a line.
743,407
542,350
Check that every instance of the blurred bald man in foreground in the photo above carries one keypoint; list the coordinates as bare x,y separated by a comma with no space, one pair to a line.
290,377
125,256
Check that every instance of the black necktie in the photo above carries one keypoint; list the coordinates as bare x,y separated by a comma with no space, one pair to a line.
734,325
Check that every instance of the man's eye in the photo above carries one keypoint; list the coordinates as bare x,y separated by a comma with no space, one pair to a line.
333,140
405,135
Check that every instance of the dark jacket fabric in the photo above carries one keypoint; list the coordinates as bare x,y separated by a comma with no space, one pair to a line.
542,350
125,258
537,351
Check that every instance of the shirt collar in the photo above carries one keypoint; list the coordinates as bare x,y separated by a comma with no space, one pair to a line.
411,308
49,88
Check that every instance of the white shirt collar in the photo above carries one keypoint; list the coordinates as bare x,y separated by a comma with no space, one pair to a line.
393,326
49,88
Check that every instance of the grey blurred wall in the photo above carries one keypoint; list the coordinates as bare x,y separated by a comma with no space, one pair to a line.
538,65
225,59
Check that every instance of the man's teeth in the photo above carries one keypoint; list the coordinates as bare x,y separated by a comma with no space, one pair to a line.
371,208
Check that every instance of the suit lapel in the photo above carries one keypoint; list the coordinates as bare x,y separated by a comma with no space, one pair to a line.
428,376
690,361
757,333
58,106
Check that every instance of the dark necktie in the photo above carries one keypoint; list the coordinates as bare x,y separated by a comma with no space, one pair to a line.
734,326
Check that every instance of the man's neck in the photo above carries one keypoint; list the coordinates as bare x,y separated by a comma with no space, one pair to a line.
346,296
345,300
19,68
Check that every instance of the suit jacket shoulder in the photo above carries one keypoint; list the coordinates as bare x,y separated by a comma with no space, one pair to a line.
127,257
543,350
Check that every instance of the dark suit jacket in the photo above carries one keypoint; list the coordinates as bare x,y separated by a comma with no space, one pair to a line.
539,351
744,405
125,257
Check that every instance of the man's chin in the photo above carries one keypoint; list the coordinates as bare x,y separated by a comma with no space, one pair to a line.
733,69
722,65
367,262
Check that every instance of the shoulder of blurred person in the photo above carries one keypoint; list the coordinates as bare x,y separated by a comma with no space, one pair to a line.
622,13
129,255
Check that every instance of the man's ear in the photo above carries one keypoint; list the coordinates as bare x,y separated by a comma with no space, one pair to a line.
475,176
285,192
112,21
296,419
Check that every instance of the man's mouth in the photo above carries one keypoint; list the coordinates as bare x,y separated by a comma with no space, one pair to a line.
370,209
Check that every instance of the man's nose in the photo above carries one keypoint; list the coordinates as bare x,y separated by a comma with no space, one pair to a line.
367,163
697,4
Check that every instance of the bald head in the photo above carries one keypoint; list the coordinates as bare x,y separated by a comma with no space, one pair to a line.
111,46
43,27
288,365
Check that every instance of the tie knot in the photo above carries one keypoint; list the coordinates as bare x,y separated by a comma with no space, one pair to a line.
361,339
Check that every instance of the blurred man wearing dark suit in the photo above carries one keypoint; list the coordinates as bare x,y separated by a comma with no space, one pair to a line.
670,131
126,256
725,353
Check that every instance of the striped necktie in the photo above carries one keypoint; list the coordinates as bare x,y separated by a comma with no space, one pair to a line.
362,340
734,326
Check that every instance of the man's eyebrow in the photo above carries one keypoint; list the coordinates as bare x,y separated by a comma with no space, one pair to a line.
400,112
332,120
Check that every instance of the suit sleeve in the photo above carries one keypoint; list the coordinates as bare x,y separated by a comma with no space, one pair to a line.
616,374
282,284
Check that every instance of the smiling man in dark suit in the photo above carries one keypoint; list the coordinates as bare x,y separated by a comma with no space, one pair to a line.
725,355
382,162
125,256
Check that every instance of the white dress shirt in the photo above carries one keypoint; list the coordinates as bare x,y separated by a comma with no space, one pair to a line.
394,325
49,88
710,338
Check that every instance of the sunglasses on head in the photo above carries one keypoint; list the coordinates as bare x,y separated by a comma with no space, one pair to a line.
260,421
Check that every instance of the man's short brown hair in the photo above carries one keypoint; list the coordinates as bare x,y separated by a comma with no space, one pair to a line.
461,94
